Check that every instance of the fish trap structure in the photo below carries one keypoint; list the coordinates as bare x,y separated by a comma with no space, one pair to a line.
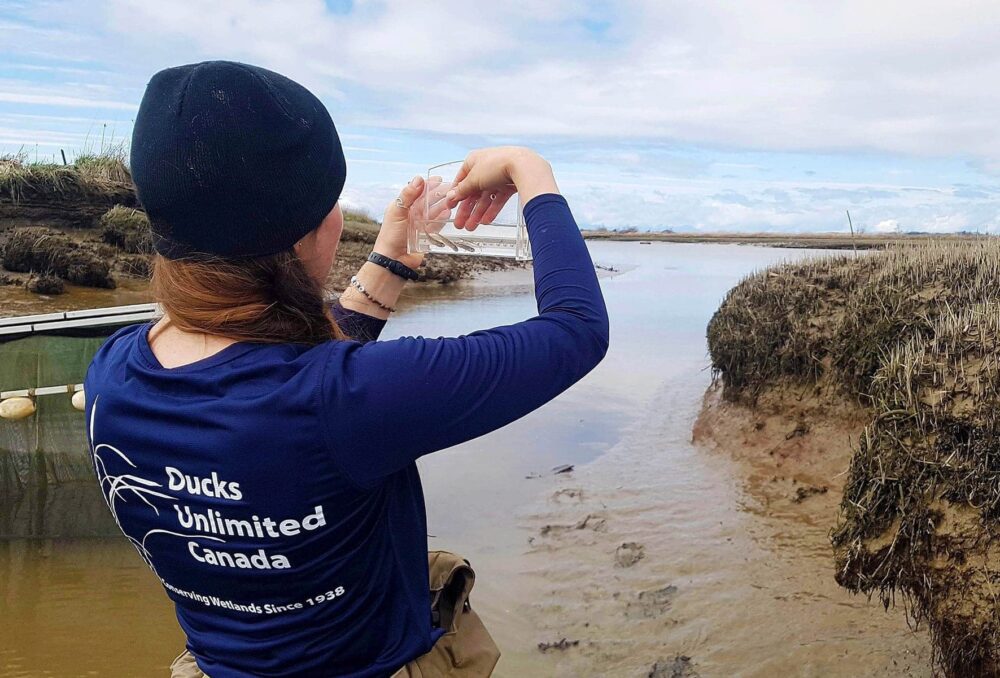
47,486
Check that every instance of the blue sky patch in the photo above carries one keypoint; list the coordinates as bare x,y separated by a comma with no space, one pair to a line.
681,115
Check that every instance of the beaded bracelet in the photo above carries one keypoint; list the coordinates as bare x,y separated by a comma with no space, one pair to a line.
356,284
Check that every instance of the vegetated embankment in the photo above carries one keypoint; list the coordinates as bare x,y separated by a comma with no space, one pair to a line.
908,339
82,224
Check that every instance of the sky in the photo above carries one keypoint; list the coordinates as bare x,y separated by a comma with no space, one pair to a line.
656,114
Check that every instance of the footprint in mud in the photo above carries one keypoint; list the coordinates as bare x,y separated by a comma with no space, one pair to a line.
678,667
651,604
568,493
592,521
629,553
803,493
562,644
801,429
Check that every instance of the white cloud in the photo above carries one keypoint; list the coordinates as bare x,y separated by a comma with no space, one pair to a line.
63,100
890,78
946,223
899,76
751,206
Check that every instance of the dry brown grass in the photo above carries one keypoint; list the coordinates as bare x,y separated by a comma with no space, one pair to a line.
87,177
913,334
96,192
48,252
127,229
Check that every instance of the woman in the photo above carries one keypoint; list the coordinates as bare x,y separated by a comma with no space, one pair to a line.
261,462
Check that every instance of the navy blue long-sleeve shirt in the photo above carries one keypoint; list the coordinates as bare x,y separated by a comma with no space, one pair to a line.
273,488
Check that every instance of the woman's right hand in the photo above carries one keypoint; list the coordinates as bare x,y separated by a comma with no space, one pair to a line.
490,176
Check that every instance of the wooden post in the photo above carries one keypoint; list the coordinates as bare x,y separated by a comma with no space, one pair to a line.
851,224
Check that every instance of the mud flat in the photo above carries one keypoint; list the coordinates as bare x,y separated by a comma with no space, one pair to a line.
74,236
660,555
672,557
872,383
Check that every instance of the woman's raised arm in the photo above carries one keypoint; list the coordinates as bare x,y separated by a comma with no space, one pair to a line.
390,402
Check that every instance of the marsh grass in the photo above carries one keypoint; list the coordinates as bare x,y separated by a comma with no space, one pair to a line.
108,166
128,229
359,226
912,334
91,175
48,252
836,316
96,192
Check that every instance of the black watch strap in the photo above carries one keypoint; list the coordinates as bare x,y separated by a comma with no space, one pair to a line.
400,269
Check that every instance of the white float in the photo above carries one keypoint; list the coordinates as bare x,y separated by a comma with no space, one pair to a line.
17,408
20,403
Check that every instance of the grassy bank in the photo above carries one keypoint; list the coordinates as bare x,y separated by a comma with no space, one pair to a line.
81,224
63,196
911,335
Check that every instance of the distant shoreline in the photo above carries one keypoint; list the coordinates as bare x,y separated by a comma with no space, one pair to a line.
830,241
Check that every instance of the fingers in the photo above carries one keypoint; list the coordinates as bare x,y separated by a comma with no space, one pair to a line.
482,205
465,208
412,191
439,212
433,203
460,190
482,209
496,205
436,193
464,170
398,209
461,186
430,209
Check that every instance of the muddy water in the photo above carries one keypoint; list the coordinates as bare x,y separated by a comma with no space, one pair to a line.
709,582
19,301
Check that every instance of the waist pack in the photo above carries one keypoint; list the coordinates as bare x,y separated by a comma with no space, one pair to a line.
466,650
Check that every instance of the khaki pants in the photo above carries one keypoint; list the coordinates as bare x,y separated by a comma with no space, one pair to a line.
466,650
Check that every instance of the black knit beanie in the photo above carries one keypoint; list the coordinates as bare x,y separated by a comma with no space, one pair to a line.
233,160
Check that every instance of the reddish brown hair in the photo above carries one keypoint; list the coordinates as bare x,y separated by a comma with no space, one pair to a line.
268,299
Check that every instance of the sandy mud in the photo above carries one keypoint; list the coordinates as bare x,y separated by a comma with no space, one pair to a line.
725,572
